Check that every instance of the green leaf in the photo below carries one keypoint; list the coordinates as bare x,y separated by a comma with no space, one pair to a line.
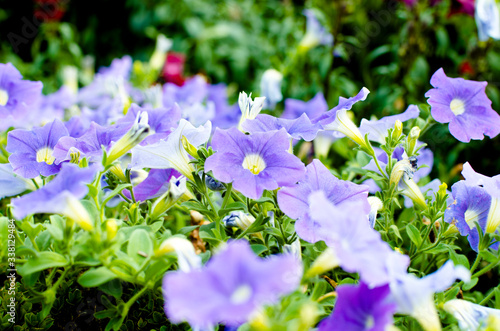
156,226
394,229
42,261
468,286
489,256
459,259
56,227
258,249
140,246
115,192
96,277
414,234
187,229
31,230
232,207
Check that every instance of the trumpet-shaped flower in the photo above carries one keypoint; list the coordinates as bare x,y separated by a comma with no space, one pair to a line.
32,151
357,246
470,316
294,200
154,185
233,284
170,153
299,128
316,34
415,296
313,108
18,98
465,105
254,163
377,130
12,184
487,18
62,196
161,121
360,308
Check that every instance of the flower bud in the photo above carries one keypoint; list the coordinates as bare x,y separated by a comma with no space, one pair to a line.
398,130
111,229
176,189
249,108
213,184
412,140
400,169
412,191
189,147
344,124
270,88
118,172
136,134
375,205
186,255
70,78
238,219
157,60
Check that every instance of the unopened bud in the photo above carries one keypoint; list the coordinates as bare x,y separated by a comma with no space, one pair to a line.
136,134
238,219
412,140
398,130
111,229
412,191
176,189
189,147
400,169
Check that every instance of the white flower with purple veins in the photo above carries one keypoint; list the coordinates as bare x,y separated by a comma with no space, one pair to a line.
487,19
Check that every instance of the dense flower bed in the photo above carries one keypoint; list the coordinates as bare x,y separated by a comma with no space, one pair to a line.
144,205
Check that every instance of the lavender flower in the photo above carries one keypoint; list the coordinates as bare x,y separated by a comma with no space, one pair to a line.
89,145
18,97
378,130
254,163
300,128
233,284
313,108
360,308
170,153
161,121
415,296
12,184
316,34
465,105
154,185
32,150
294,200
61,196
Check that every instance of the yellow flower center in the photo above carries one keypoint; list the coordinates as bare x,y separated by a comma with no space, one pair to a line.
241,295
457,106
493,216
471,217
254,162
45,155
4,97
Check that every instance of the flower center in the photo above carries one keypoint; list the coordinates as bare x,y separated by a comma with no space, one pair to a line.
241,295
457,106
471,217
45,155
493,216
4,97
369,322
254,162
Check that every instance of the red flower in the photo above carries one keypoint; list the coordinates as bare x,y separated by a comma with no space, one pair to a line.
466,68
173,69
50,10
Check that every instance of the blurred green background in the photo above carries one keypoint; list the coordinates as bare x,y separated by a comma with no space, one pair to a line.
388,47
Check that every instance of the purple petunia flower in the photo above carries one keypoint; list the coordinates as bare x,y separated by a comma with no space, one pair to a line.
477,201
233,284
89,144
415,296
294,200
161,121
465,105
359,308
154,185
357,246
12,184
60,196
254,163
377,130
299,128
32,150
18,97
313,108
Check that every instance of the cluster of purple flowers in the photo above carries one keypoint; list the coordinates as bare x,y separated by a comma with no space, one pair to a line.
254,153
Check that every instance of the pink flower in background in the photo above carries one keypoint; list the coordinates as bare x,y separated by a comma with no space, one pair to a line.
173,69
